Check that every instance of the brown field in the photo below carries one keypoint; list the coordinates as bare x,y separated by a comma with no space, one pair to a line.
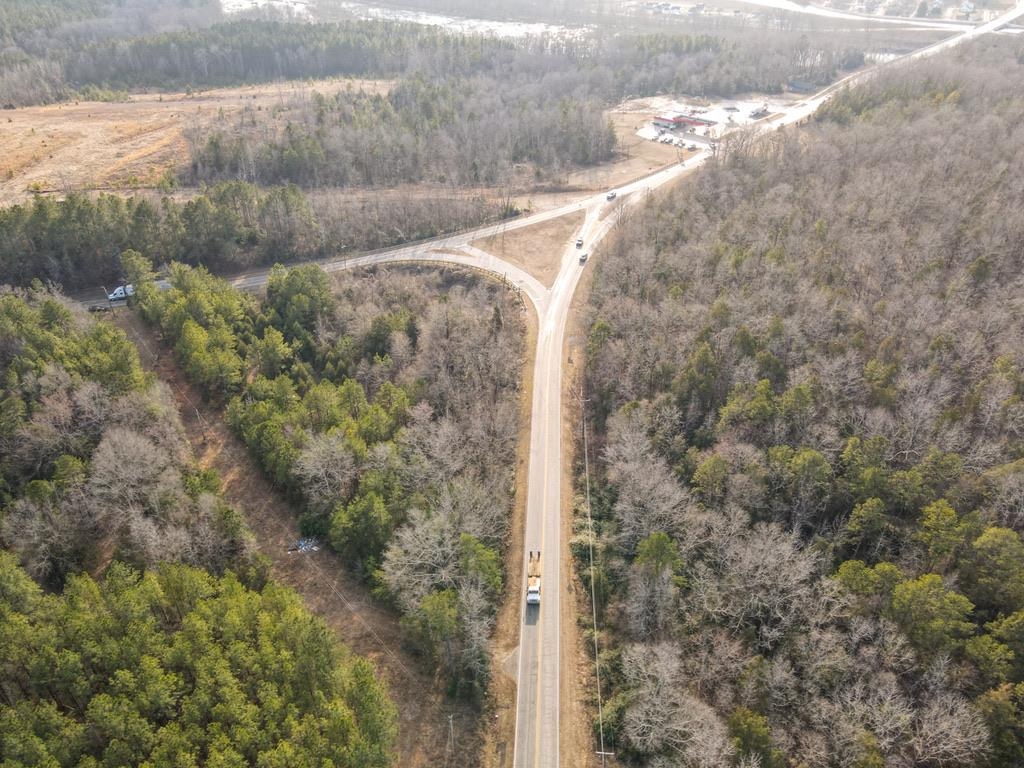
638,156
127,145
537,248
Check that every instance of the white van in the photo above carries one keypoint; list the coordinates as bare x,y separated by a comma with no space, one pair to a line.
121,292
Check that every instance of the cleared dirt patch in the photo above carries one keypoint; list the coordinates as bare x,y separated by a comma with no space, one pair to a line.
320,578
127,145
537,249
637,156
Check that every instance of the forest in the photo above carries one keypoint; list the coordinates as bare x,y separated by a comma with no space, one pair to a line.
601,66
805,377
469,111
35,35
459,133
178,667
386,406
137,623
95,462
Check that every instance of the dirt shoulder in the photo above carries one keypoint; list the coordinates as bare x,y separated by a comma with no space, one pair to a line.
532,247
320,578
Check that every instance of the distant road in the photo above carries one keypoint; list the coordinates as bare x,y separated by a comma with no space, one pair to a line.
828,13
537,707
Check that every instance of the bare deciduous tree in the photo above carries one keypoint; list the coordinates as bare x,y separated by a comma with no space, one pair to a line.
325,471
663,718
948,731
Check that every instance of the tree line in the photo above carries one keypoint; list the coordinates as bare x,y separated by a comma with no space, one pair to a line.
77,241
455,132
37,35
806,376
388,413
606,67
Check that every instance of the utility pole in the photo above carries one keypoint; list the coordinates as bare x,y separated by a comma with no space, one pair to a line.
449,749
602,753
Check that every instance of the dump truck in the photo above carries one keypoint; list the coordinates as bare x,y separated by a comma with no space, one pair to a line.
533,579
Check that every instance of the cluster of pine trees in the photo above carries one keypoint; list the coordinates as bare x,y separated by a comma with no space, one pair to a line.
177,667
77,241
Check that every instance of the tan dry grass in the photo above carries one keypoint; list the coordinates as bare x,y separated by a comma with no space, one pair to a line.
537,249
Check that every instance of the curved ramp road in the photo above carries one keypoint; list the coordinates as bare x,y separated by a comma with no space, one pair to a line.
537,706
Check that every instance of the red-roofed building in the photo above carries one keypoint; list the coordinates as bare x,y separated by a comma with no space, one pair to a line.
678,120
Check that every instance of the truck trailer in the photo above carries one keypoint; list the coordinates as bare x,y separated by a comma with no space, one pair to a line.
533,579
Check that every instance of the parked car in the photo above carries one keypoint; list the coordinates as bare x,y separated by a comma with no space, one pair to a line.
99,307
612,195
121,292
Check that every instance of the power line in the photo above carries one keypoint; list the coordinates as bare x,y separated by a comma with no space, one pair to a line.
593,591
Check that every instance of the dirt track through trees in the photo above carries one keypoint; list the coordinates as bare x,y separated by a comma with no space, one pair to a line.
320,578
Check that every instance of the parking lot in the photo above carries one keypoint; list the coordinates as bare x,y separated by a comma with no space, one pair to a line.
716,118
